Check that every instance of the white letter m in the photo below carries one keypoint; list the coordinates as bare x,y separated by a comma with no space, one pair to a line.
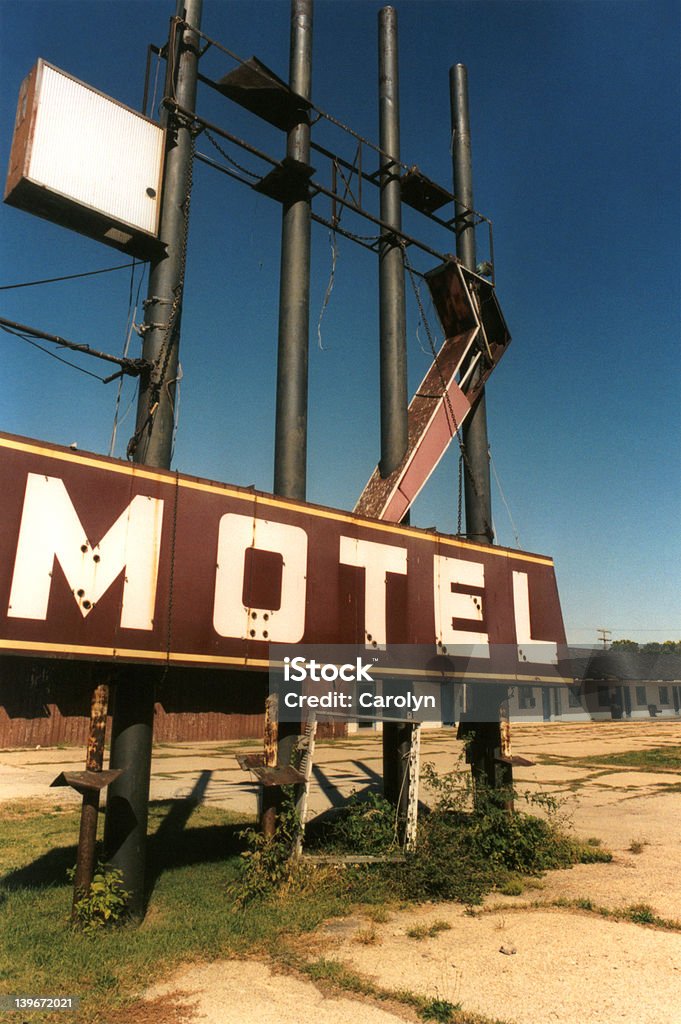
50,528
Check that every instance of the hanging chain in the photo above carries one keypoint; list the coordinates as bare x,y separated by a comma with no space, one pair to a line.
230,159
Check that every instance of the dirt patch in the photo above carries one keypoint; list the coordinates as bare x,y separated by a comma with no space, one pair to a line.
238,992
533,967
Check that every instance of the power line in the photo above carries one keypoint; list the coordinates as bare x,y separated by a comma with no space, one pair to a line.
131,366
66,362
65,277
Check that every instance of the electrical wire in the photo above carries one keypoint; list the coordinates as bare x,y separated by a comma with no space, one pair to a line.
503,498
66,362
66,277
153,98
175,406
130,327
329,287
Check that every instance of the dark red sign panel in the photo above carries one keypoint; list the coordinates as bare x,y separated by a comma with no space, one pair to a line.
101,559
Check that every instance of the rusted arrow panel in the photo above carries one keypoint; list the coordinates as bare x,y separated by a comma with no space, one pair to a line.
433,422
476,338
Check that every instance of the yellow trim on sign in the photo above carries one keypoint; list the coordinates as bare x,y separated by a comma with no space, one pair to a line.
210,659
167,477
39,647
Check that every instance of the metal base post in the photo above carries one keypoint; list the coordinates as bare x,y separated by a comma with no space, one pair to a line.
127,805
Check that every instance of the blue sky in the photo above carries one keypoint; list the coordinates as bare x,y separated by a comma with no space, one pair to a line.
574,113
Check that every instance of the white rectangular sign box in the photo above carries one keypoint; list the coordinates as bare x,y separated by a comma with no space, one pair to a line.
85,161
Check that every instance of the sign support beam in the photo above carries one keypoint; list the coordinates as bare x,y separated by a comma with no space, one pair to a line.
393,341
132,723
485,746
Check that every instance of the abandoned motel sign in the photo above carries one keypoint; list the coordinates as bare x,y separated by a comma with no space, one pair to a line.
104,560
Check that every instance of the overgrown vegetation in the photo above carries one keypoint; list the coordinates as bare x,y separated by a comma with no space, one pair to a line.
366,825
266,861
491,848
219,888
106,901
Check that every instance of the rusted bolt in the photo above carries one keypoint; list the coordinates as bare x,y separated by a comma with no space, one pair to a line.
81,593
87,604
95,558
83,547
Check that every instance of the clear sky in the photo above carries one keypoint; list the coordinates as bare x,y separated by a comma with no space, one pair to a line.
574,115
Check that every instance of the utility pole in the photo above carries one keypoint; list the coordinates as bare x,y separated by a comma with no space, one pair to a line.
132,724
604,636
485,712
393,341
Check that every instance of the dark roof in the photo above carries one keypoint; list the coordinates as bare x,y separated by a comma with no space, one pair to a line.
622,664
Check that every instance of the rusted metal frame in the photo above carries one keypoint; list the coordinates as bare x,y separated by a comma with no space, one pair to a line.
347,182
362,141
333,226
313,107
315,186
400,235
337,162
209,126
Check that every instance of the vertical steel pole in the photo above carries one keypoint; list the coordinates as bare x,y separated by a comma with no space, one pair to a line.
392,308
132,723
393,341
488,745
290,443
476,470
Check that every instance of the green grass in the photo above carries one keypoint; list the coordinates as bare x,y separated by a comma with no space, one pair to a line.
636,913
189,916
658,759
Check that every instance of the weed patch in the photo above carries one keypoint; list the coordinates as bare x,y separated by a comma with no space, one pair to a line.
658,759
105,903
423,931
